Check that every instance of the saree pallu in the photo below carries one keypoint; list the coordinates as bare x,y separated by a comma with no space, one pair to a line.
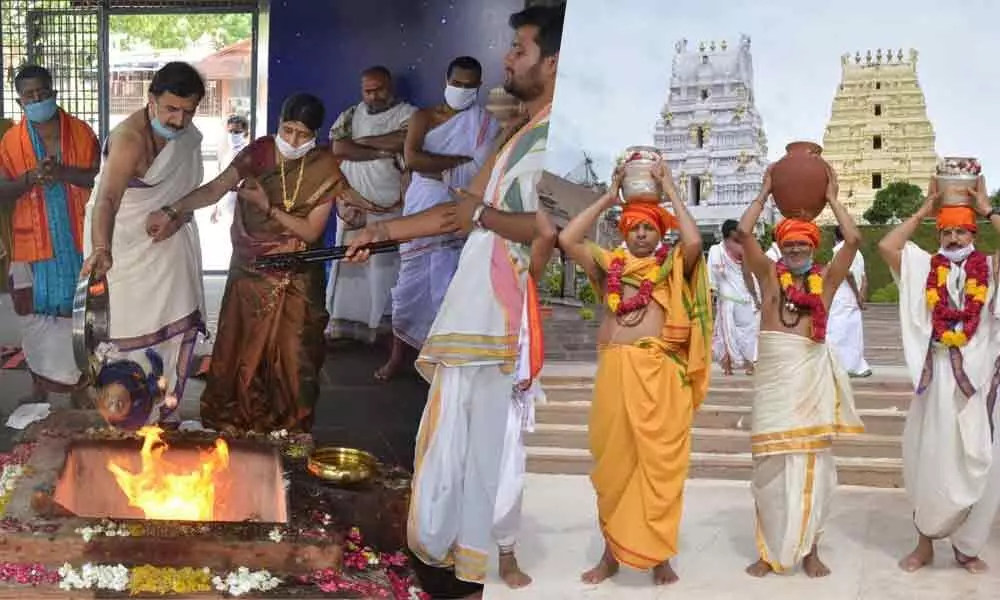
264,373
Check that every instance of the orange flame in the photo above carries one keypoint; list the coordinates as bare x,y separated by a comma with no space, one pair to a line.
167,491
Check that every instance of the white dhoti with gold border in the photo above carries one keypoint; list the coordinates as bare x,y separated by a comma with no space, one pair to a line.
802,401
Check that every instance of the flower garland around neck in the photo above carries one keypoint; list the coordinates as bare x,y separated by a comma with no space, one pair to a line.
808,298
616,269
952,326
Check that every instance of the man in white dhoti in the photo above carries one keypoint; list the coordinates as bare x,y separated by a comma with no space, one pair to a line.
47,167
460,504
445,147
152,159
802,396
846,327
737,317
369,137
948,321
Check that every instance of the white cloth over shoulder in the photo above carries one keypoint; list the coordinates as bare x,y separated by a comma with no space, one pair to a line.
358,295
949,455
155,289
845,327
737,320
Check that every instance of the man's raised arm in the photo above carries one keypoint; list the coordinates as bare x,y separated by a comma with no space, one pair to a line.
890,248
573,237
840,265
753,255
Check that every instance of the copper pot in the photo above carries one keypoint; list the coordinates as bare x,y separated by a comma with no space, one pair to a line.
799,180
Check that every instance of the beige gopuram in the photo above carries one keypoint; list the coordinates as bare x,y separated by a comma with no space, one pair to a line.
878,131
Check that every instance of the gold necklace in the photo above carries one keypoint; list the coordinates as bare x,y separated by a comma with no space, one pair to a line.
289,203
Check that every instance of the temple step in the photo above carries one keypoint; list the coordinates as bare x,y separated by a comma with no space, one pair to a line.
739,392
863,471
719,441
882,421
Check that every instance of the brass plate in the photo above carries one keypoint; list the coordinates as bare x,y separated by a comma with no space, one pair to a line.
342,465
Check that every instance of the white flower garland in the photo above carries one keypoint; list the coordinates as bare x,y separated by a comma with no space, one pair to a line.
243,581
91,576
8,478
118,577
109,529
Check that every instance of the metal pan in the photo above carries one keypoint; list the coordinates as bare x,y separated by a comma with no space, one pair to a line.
91,320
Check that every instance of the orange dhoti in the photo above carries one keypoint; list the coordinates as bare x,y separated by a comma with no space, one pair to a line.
640,436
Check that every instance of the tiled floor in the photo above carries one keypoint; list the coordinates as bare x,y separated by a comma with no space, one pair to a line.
868,531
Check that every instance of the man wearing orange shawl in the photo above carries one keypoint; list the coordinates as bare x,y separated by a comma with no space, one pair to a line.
802,395
950,443
652,374
48,161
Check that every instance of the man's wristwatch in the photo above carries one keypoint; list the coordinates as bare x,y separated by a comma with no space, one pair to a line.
993,213
477,217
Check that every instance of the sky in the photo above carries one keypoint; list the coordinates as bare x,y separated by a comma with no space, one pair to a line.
615,62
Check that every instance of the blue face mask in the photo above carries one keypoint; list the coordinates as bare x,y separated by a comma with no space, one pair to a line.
41,111
803,269
167,133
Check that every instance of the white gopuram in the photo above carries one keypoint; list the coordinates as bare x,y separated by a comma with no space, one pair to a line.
711,133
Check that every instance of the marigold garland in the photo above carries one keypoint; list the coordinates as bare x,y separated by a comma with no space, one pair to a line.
616,269
809,299
952,326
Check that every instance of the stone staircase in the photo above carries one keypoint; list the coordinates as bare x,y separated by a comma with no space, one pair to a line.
721,434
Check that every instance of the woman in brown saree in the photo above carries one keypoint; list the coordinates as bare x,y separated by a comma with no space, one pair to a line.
269,346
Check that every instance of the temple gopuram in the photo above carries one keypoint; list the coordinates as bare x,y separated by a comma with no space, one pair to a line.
878,131
711,132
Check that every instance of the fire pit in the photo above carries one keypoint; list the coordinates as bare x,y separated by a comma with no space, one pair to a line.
194,505
119,480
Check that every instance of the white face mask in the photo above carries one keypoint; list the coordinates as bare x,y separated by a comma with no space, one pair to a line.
291,152
957,256
237,140
460,98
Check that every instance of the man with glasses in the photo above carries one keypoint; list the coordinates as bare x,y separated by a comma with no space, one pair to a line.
48,162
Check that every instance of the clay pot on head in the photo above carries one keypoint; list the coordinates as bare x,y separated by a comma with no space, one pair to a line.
638,184
799,180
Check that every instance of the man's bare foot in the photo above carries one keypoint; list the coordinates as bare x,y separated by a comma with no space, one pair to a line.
749,370
921,556
511,573
606,567
391,366
663,574
813,566
759,569
387,371
972,564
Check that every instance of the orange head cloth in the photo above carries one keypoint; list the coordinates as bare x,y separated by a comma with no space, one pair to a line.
646,212
956,216
794,230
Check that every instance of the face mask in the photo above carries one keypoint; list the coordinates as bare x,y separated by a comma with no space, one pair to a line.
804,268
291,152
460,98
957,256
41,111
167,133
236,140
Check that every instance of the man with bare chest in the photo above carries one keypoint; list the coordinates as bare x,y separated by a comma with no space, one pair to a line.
47,167
803,397
652,373
152,159
446,146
